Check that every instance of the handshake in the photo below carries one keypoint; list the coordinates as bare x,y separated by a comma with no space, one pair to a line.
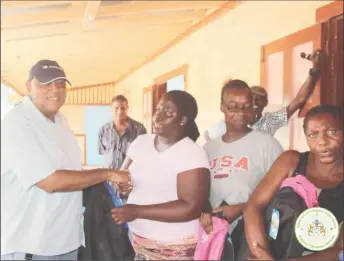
121,180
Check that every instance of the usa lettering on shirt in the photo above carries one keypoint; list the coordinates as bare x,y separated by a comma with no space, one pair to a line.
221,167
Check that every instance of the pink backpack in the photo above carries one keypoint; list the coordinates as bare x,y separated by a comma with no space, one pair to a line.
210,247
304,188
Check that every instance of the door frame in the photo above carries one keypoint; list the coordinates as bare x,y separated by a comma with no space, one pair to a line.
147,107
286,44
182,70
325,12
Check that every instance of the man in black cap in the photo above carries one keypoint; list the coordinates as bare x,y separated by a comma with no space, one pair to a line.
43,75
41,175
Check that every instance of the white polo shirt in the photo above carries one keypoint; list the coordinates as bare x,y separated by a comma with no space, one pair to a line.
32,220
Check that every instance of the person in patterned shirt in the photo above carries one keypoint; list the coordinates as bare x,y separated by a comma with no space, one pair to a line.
270,122
115,137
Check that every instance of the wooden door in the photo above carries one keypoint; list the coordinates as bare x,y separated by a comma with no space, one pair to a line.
158,91
283,72
151,97
332,68
147,108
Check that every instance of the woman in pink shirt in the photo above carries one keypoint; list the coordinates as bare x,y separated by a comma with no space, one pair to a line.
170,183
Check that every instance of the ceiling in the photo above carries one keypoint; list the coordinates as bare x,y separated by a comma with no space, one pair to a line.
94,41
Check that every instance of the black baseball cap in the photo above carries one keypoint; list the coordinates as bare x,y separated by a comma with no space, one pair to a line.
47,71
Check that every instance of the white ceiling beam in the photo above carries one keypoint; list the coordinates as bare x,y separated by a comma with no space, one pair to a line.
155,6
122,24
91,10
166,19
35,31
90,13
78,11
8,4
43,16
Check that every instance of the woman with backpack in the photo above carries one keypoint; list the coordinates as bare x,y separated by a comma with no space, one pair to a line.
322,166
239,159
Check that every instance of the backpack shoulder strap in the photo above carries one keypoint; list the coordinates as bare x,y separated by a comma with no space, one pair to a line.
301,168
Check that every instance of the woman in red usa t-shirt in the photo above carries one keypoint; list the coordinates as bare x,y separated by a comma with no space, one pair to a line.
239,159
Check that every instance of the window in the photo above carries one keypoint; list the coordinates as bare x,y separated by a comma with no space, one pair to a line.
175,79
176,83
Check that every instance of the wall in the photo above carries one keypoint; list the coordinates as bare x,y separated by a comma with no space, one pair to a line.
94,118
75,117
87,120
227,47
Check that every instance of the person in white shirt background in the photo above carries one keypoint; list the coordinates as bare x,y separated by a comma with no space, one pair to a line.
270,122
41,175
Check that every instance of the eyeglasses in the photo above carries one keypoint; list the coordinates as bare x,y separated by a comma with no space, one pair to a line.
236,108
